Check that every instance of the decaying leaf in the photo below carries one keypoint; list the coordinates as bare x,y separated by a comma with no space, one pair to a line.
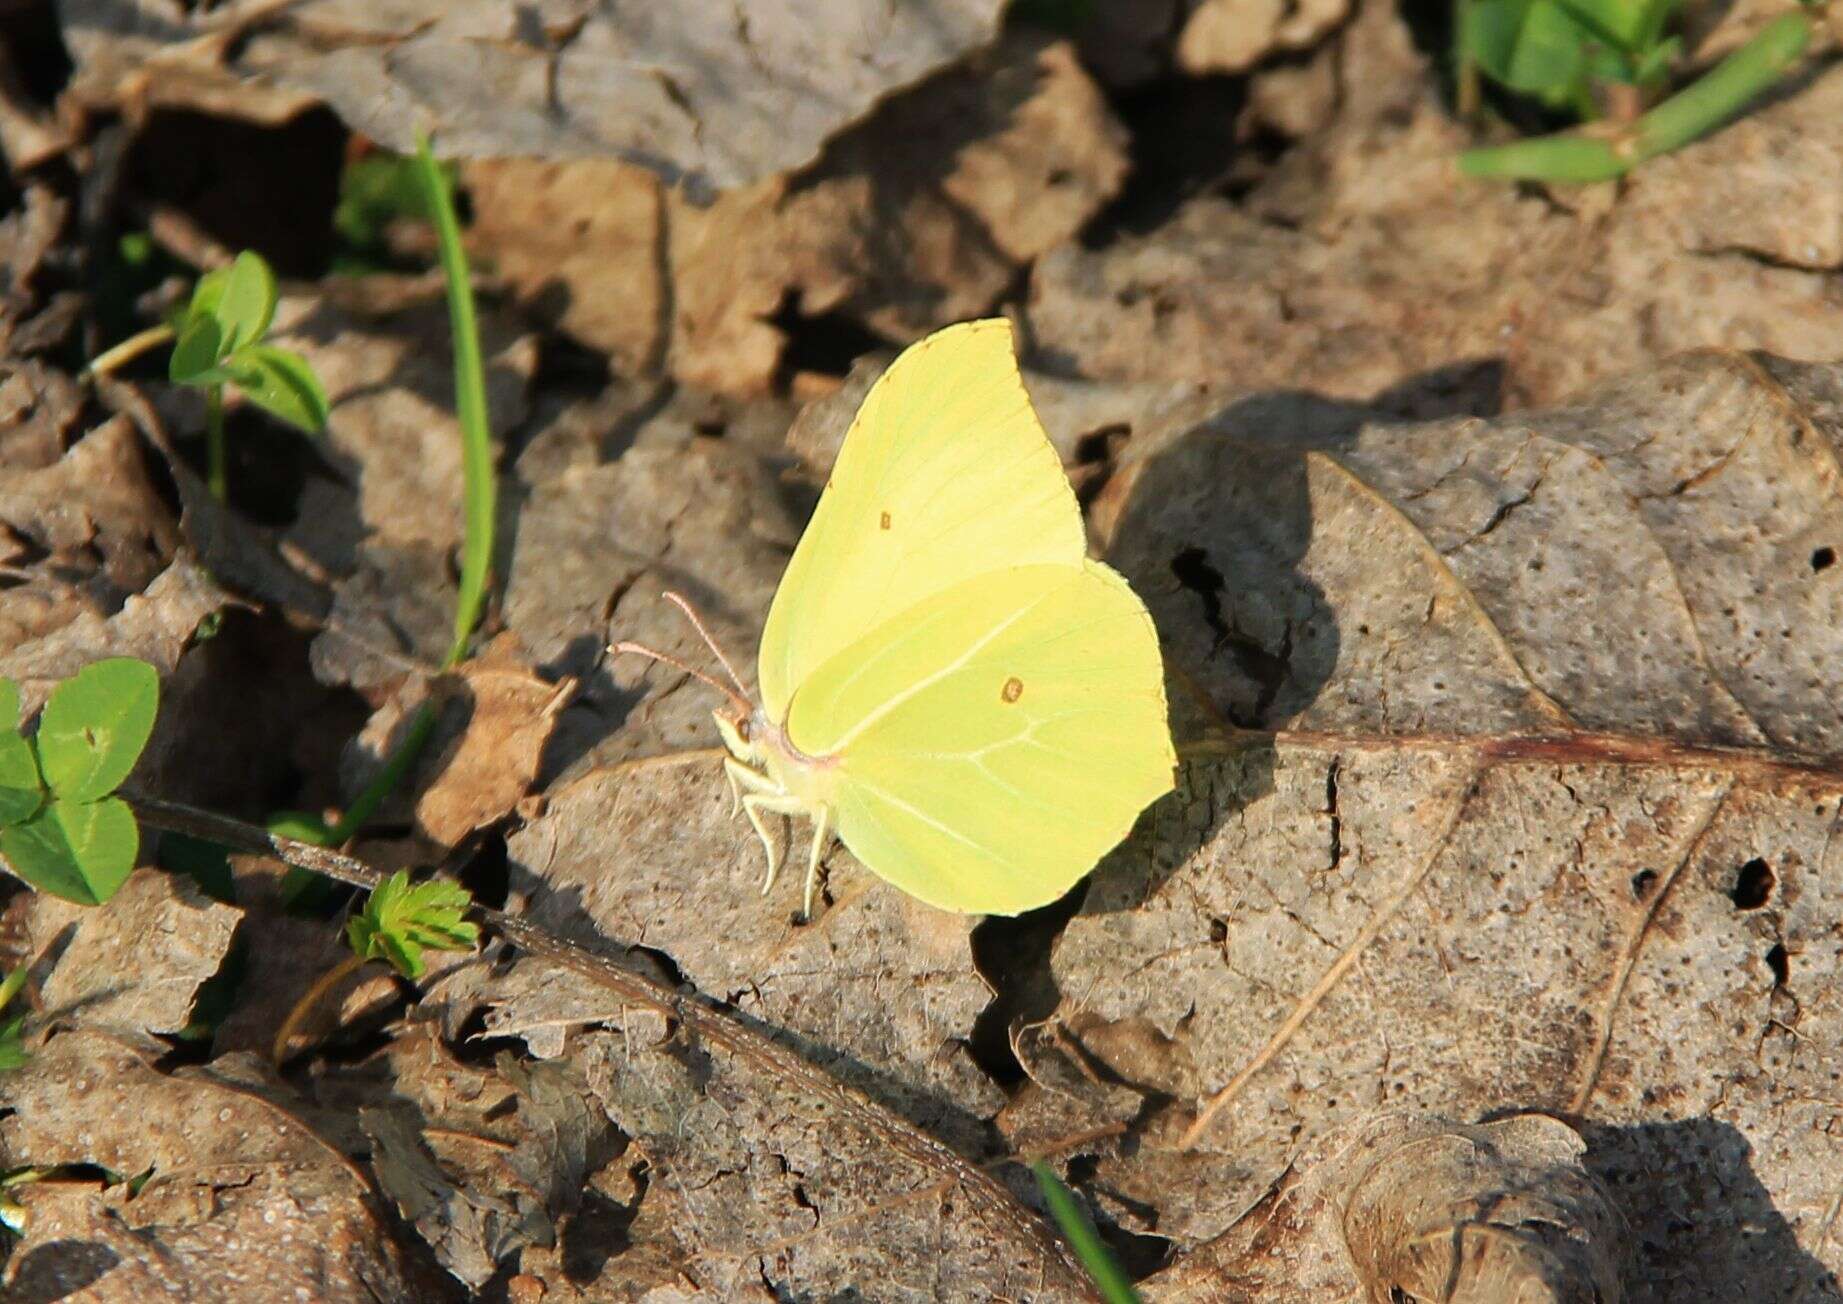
484,771
918,217
485,1161
241,1199
154,625
715,105
879,989
1365,268
1228,36
777,1176
1404,1207
133,965
1547,822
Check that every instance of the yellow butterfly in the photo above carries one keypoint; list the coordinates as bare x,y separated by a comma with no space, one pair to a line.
948,683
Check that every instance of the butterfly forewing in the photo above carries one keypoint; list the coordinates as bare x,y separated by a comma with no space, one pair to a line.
945,474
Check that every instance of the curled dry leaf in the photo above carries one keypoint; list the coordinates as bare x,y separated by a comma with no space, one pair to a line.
714,105
920,216
488,1161
1546,820
1408,1207
1364,268
484,770
242,1200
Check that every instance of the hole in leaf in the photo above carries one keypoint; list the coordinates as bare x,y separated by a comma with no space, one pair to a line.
1780,963
1753,885
1823,559
1641,883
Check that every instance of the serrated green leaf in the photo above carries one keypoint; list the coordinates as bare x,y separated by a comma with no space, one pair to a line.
400,919
9,704
93,729
282,384
197,352
246,304
80,851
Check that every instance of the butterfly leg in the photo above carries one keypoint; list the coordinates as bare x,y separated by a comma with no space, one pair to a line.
774,803
743,779
822,834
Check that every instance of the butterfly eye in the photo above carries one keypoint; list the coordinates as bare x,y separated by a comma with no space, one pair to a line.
742,728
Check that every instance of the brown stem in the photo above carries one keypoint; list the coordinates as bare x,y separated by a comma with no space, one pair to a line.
310,998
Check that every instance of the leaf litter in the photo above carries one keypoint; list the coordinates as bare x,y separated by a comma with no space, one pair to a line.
1490,938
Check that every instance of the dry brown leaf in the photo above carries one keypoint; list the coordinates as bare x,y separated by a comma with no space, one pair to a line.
774,1178
1366,268
714,105
1405,1207
133,965
486,1161
920,216
482,773
155,625
242,1199
1547,823
878,989
1230,36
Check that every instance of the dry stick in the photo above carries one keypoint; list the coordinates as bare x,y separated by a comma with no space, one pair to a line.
278,1052
690,1010
1310,1002
1628,958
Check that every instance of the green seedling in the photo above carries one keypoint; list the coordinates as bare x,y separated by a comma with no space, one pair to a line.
401,919
479,508
61,828
220,343
1112,1283
1605,61
398,922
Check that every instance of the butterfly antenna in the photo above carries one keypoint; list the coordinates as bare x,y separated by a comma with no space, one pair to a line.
692,615
642,649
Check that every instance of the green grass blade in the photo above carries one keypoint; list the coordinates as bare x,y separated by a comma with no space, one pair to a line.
469,403
1724,90
1565,157
1113,1284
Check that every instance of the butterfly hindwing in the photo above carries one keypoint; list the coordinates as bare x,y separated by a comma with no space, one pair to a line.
945,474
997,738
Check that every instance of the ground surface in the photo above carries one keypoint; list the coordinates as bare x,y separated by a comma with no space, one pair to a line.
1491,947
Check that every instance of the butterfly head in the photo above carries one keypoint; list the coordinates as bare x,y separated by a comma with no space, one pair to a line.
741,732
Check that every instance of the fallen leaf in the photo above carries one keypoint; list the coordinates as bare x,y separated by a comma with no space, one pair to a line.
1530,806
481,773
132,965
712,106
1231,36
241,1200
1410,1207
880,229
1364,268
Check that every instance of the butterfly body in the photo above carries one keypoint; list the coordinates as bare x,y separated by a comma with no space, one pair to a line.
949,684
